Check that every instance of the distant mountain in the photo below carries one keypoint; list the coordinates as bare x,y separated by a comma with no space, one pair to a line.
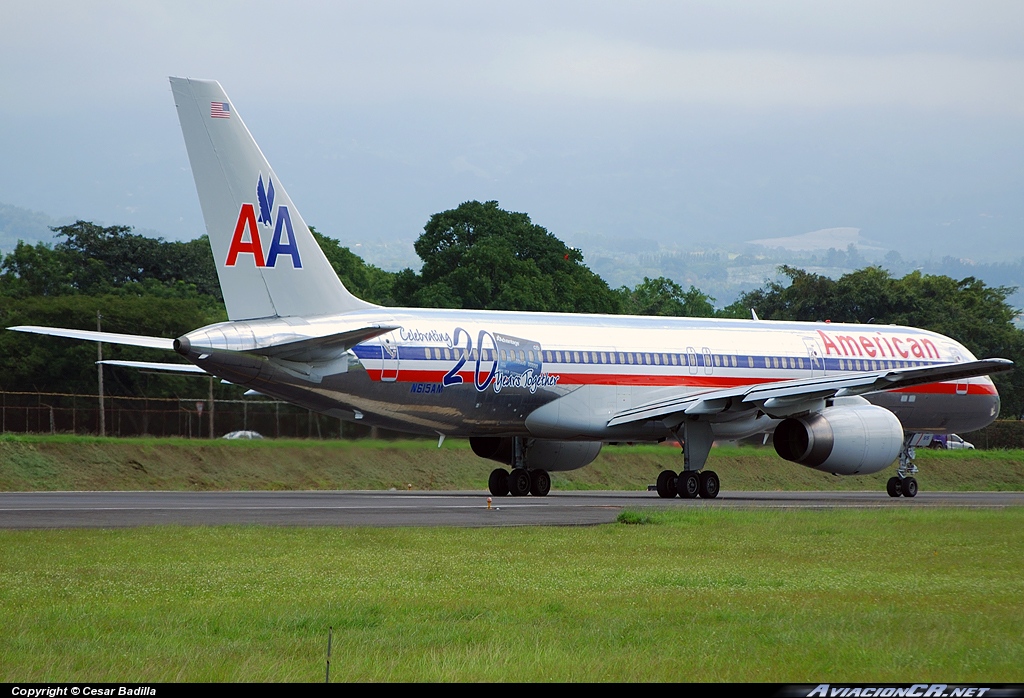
22,224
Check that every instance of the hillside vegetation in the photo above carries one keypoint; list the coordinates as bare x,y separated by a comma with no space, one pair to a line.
82,463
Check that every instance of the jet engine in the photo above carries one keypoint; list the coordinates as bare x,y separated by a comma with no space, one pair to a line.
846,440
541,454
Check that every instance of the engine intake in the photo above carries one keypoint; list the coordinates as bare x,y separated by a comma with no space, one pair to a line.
847,440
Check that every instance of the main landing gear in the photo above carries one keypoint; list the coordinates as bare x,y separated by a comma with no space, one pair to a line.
688,484
519,483
696,438
904,484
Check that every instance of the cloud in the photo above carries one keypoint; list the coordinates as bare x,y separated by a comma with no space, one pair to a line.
582,67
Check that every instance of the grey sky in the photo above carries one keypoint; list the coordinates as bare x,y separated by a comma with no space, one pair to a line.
689,123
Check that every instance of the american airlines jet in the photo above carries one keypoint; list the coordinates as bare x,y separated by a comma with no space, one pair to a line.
541,392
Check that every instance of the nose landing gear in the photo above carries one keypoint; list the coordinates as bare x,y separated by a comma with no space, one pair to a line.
904,484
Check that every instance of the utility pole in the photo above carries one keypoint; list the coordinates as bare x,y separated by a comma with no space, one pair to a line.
99,366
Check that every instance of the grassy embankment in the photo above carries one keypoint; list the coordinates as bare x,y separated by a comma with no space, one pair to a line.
699,595
85,463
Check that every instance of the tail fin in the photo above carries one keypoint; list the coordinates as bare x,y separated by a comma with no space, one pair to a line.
268,262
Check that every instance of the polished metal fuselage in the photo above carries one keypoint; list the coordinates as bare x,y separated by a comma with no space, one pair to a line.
473,373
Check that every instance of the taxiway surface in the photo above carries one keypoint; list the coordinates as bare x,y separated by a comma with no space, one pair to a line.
22,510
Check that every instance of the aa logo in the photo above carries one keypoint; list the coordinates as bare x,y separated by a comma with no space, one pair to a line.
246,238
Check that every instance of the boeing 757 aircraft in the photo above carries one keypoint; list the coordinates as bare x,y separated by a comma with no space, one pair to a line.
541,392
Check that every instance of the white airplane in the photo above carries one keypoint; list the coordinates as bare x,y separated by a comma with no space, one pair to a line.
541,392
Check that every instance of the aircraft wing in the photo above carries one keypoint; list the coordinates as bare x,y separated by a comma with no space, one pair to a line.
94,336
781,398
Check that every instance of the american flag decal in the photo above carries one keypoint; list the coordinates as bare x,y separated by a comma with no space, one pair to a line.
220,110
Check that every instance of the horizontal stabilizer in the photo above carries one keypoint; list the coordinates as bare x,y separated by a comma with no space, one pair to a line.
155,366
133,340
308,349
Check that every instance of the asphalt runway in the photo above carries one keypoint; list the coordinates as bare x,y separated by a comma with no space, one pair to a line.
28,510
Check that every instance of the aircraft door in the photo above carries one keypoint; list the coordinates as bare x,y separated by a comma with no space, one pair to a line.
961,385
389,363
708,365
814,355
691,359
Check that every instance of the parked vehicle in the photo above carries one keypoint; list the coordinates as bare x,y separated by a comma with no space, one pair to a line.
949,441
253,435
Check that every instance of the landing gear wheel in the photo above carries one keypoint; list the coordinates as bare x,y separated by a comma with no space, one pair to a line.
909,487
708,484
894,486
688,484
667,484
497,483
519,482
540,483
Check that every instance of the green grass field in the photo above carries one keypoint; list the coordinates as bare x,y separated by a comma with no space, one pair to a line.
88,463
699,595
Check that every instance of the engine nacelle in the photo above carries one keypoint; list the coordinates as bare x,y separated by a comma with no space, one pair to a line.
552,456
845,440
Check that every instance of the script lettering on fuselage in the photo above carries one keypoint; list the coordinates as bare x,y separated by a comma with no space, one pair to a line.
411,335
498,361
878,345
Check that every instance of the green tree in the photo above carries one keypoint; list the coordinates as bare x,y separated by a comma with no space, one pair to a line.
969,311
480,256
663,296
94,260
53,364
366,281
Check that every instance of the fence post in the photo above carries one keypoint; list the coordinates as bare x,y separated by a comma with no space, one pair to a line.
212,435
99,367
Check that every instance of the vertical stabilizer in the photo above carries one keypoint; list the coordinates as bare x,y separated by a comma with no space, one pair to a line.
268,262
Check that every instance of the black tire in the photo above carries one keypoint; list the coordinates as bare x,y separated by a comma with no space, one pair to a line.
708,484
688,484
519,482
540,483
497,483
667,484
909,487
894,487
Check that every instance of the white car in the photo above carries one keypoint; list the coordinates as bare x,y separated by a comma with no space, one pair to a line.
256,435
954,441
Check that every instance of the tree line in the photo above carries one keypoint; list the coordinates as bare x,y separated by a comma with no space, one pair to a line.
476,256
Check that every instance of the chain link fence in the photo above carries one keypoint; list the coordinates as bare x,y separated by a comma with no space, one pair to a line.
69,413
